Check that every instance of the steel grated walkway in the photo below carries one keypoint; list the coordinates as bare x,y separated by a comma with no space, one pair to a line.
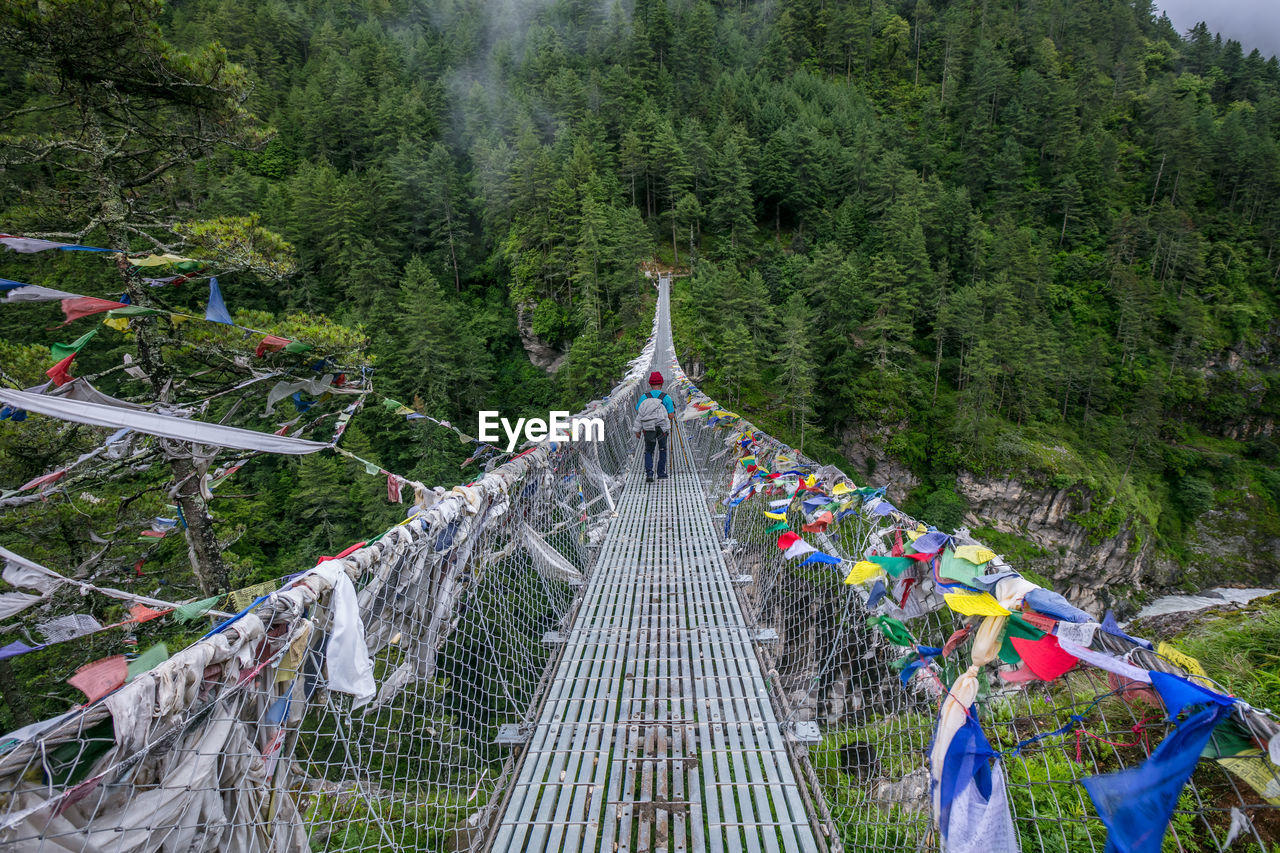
657,733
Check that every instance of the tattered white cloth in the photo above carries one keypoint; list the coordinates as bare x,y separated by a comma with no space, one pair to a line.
167,426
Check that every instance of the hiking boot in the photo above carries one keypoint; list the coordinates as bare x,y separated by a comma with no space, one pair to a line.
662,476
648,478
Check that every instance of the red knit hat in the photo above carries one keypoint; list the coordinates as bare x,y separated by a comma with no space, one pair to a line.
655,378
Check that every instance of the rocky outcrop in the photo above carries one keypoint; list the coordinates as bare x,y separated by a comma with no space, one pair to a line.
865,449
1235,543
541,353
1242,368
1095,573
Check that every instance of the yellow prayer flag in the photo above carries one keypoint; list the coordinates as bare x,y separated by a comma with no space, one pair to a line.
913,535
811,481
840,489
403,410
1256,769
157,260
120,324
291,662
863,571
776,516
242,598
967,604
975,554
1186,661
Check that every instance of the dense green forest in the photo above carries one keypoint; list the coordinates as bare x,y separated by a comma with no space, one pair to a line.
1011,237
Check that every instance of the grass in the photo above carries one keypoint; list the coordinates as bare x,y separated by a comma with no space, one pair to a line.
1240,650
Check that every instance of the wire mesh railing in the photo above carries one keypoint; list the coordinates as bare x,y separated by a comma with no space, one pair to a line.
359,707
947,702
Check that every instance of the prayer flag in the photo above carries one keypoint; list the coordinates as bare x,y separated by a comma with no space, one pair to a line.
975,554
820,557
196,609
970,604
58,373
863,571
83,306
61,351
1044,656
217,310
271,343
1136,804
798,549
99,678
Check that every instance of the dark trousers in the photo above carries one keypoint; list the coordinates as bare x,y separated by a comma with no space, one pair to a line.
652,438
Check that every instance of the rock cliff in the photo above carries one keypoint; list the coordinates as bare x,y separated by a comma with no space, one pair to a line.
541,353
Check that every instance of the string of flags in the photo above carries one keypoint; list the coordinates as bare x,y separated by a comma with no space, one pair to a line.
1032,634
119,313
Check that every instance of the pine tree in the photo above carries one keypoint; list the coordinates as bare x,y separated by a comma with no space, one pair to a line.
797,370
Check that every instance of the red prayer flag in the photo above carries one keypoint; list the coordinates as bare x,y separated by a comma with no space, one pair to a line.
143,613
348,552
1134,691
44,480
154,534
956,639
58,373
1044,623
1044,656
786,540
99,678
820,523
271,343
1020,675
83,306
393,488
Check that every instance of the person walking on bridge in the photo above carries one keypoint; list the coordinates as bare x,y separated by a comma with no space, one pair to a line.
655,413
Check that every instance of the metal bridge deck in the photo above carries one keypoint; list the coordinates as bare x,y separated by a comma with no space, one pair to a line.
657,733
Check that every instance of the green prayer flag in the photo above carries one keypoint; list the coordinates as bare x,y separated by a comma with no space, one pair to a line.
953,568
196,609
189,266
297,346
1008,653
1016,626
1229,738
132,311
61,351
147,661
781,525
893,565
893,630
391,405
370,468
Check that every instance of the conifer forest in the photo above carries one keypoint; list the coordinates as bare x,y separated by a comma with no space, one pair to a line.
1018,260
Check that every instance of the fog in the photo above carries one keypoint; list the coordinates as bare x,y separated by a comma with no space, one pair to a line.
1253,23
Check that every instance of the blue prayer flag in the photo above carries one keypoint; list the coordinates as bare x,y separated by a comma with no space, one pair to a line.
217,310
1136,804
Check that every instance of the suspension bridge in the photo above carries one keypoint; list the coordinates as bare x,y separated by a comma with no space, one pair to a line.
755,654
